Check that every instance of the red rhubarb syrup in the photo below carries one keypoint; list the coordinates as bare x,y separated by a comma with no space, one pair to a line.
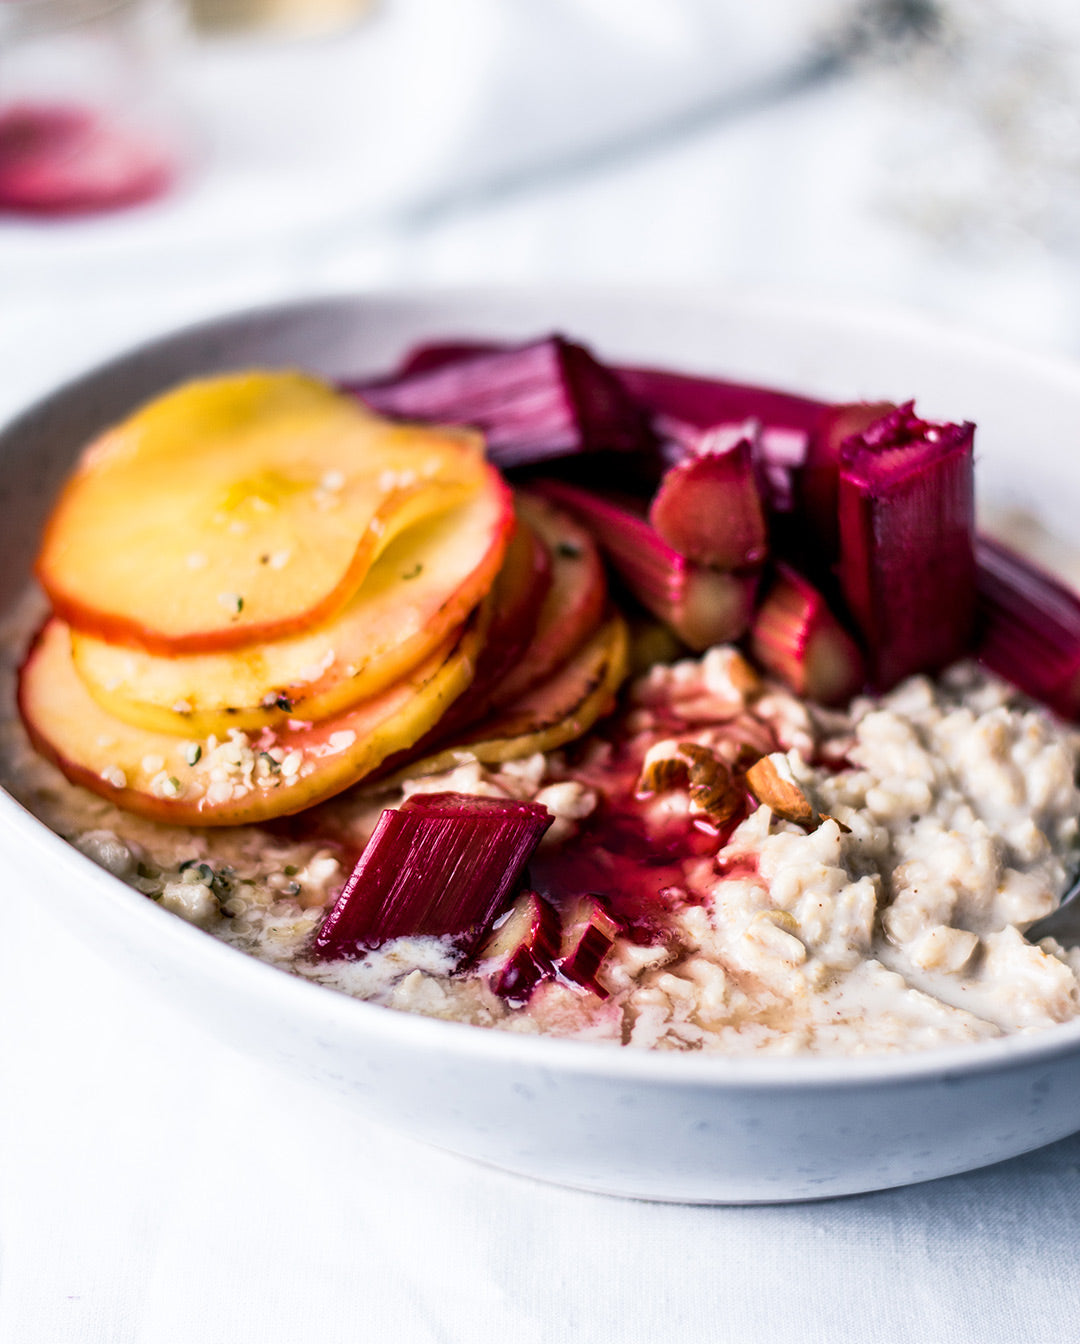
57,159
625,855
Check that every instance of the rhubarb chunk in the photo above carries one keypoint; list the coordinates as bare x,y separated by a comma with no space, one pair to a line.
681,405
798,639
589,933
441,864
434,354
532,402
907,561
705,403
820,475
693,415
521,948
708,509
1028,627
702,606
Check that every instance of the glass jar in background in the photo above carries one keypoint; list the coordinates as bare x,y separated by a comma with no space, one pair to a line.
284,16
88,116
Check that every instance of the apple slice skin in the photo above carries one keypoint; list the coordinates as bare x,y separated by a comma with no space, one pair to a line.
574,605
563,707
545,609
420,589
239,509
512,610
127,765
558,711
518,595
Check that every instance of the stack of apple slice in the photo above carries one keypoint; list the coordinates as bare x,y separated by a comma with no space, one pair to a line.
263,593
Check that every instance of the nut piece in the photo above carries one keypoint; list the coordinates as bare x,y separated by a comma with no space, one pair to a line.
712,788
662,773
844,830
690,766
785,798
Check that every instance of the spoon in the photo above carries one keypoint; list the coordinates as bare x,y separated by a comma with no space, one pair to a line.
1063,922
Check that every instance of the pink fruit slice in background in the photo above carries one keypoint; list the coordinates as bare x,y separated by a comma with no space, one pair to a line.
66,160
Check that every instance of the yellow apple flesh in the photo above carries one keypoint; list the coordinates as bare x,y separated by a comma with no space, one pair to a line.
421,588
246,778
549,715
240,509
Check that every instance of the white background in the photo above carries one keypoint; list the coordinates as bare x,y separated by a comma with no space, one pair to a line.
157,1188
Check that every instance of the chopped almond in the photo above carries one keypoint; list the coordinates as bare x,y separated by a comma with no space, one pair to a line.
663,773
783,796
691,766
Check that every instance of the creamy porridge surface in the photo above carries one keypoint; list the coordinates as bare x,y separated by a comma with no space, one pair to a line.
948,823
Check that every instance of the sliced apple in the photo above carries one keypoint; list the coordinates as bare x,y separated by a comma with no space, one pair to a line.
421,588
516,600
239,509
561,709
511,614
574,605
243,779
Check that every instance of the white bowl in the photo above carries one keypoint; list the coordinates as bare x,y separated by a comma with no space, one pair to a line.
656,1126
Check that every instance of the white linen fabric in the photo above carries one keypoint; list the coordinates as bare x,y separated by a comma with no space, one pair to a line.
154,1187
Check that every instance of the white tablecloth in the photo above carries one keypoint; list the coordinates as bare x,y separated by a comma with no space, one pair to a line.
157,1189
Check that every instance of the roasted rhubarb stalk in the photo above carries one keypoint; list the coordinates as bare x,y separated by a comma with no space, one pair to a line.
820,475
708,509
521,948
798,639
434,354
691,416
907,562
683,404
704,403
702,606
1028,627
441,864
532,402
